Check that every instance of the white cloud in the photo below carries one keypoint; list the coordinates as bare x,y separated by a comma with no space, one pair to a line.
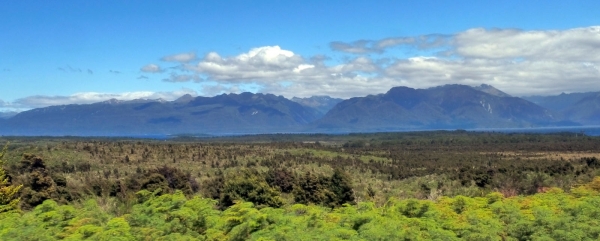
216,89
176,78
151,68
8,107
574,45
379,46
181,58
391,42
343,86
359,64
281,71
264,63
356,47
516,78
516,61
38,101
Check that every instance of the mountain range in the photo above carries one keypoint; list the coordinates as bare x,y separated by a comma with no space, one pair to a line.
222,114
559,102
449,106
583,108
401,108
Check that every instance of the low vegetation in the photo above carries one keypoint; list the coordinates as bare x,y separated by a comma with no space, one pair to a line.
382,186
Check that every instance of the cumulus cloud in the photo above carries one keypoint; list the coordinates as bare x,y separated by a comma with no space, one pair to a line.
280,71
379,46
269,62
391,42
181,57
516,78
38,101
579,44
212,90
151,68
516,61
356,47
175,78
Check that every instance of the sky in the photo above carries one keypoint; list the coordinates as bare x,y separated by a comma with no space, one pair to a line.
77,52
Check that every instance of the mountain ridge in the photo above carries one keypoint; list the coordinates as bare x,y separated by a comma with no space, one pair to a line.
559,102
227,113
448,106
586,110
322,103
400,108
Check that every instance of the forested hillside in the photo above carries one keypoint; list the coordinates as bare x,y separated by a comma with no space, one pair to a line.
381,186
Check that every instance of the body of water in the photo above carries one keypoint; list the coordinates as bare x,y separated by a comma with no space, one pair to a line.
587,130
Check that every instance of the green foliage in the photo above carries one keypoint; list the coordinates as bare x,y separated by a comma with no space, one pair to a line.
172,213
341,186
329,191
39,184
281,178
313,189
424,165
392,186
249,186
553,215
166,179
9,199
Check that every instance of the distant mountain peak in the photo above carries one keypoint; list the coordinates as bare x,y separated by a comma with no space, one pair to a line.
112,101
448,106
321,103
233,113
491,90
316,100
560,102
184,99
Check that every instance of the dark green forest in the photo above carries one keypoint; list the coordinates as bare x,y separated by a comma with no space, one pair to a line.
449,185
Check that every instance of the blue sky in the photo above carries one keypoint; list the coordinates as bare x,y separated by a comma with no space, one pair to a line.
63,52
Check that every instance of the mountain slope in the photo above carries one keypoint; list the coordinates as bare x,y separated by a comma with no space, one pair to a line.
560,102
586,111
6,115
449,106
232,113
491,90
321,103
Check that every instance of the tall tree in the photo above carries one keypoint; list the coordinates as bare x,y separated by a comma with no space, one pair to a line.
341,186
